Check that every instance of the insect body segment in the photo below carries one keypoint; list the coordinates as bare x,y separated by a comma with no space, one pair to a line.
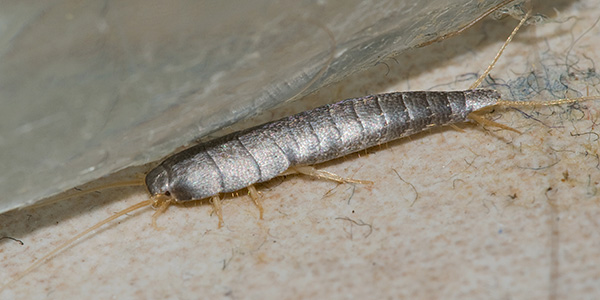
261,153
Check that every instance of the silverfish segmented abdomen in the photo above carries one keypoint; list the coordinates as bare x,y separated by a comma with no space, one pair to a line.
261,153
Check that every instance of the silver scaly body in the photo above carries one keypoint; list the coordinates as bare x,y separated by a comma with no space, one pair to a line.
258,154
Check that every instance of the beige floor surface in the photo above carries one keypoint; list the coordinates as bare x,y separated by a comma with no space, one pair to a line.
478,214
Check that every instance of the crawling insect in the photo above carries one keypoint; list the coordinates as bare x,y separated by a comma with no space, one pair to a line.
258,154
